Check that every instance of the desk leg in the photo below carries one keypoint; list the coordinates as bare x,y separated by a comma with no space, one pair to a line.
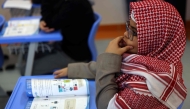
30,59
20,57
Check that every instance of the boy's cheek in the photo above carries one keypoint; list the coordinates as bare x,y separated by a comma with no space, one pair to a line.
133,51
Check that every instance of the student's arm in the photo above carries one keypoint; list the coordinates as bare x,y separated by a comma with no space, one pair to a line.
36,1
71,11
104,71
64,15
108,65
47,10
55,12
82,70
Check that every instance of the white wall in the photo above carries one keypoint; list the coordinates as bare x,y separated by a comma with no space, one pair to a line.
114,11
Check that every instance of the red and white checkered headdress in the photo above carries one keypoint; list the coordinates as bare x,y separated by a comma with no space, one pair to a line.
161,32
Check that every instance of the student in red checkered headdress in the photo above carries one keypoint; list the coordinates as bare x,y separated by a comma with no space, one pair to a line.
142,69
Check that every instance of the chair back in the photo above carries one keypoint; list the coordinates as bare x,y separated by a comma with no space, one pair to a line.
91,38
2,21
180,106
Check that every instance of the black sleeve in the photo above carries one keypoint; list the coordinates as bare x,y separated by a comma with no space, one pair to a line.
66,10
36,1
47,10
56,12
71,11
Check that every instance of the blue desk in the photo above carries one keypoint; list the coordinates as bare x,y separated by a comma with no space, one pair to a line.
33,40
19,99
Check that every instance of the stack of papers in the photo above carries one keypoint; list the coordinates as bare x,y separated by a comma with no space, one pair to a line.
21,28
21,4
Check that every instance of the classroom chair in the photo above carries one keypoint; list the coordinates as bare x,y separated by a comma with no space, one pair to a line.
180,106
91,38
2,20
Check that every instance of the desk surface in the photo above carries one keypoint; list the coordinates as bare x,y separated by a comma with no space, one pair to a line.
40,37
19,99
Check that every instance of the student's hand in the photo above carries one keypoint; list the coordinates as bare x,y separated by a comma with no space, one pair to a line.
44,27
60,73
113,46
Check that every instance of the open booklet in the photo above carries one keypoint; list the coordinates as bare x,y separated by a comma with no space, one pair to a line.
21,4
15,28
57,94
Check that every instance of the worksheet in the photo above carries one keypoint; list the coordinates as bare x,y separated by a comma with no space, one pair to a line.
20,4
58,87
72,102
17,28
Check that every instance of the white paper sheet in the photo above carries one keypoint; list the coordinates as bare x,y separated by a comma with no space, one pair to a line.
17,28
78,102
21,4
59,87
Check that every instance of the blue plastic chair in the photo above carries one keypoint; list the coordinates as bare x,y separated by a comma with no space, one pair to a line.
180,106
91,41
2,20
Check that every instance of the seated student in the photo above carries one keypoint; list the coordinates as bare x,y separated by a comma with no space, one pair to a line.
74,18
142,69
